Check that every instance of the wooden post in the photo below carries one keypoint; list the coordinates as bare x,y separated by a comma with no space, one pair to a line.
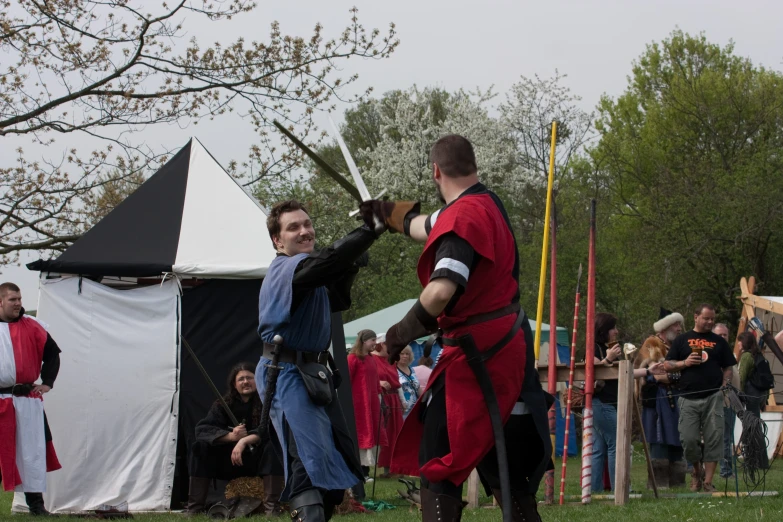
746,286
622,473
473,489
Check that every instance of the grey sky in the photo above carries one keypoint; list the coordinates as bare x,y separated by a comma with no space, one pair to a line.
461,44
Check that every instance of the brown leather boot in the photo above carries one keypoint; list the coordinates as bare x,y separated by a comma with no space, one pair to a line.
523,505
440,508
198,489
273,488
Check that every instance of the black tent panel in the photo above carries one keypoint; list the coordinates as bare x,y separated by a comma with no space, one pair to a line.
140,236
219,320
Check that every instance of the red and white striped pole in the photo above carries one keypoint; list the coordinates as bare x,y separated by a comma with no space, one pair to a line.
570,388
587,418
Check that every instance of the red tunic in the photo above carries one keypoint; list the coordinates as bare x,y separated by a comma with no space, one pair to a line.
365,388
392,418
26,339
491,286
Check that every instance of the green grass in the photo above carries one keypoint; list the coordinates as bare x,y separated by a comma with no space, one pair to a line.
663,510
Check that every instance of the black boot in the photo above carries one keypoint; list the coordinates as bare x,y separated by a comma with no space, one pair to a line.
661,471
198,489
677,471
35,504
308,506
273,488
440,508
523,506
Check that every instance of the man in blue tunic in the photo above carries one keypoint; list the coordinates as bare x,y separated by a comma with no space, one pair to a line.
301,289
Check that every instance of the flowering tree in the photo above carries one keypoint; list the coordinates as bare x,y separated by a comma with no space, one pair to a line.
103,70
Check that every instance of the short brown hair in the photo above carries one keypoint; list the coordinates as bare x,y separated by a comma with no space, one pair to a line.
8,287
701,307
273,219
454,156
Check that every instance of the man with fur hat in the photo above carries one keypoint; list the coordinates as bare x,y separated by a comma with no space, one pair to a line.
660,413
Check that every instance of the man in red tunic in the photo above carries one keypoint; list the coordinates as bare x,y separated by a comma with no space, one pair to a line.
27,352
469,270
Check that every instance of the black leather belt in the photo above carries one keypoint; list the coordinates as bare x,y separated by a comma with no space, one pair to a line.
488,316
487,354
19,390
287,355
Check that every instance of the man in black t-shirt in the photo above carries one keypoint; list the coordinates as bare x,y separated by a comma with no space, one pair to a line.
704,360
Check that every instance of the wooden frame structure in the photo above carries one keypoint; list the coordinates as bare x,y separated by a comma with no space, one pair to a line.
750,304
623,372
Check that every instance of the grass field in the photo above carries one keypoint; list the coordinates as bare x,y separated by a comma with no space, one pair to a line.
689,510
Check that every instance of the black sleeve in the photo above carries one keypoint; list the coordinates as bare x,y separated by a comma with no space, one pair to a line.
330,264
454,259
675,352
51,362
340,290
213,426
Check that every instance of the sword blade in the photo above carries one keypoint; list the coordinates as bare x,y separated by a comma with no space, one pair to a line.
328,169
211,384
357,178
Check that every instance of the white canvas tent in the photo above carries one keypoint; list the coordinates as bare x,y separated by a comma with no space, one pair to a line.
184,254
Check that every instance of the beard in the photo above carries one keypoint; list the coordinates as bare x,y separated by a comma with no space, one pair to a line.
671,336
439,194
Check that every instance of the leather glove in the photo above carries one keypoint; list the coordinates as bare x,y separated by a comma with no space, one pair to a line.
416,323
395,215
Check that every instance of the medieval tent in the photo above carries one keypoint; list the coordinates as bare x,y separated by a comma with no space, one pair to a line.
183,255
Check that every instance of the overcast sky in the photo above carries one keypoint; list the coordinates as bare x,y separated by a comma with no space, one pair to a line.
461,44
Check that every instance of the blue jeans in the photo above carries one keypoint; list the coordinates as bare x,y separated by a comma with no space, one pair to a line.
604,443
728,431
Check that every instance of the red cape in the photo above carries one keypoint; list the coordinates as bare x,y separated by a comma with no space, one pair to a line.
365,388
491,286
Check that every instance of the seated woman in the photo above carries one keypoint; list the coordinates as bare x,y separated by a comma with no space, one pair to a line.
222,451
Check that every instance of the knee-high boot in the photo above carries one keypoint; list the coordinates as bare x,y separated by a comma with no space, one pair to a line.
523,506
198,489
35,503
308,506
273,488
440,508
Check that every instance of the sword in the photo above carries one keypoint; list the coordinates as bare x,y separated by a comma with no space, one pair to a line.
328,169
355,193
354,170
211,384
271,387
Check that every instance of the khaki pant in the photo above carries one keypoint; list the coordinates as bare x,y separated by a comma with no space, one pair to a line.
702,419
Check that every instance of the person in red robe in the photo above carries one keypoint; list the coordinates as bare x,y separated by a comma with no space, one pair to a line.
366,389
27,353
469,270
392,407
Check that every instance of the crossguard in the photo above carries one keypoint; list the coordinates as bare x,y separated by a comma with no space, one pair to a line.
352,213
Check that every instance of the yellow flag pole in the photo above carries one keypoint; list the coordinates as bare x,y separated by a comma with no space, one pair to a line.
545,248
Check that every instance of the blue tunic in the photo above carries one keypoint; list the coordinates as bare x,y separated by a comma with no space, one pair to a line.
660,423
307,330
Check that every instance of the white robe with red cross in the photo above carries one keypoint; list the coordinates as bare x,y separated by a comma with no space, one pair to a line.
25,455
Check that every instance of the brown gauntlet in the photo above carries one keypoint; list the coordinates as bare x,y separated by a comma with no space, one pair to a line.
396,215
